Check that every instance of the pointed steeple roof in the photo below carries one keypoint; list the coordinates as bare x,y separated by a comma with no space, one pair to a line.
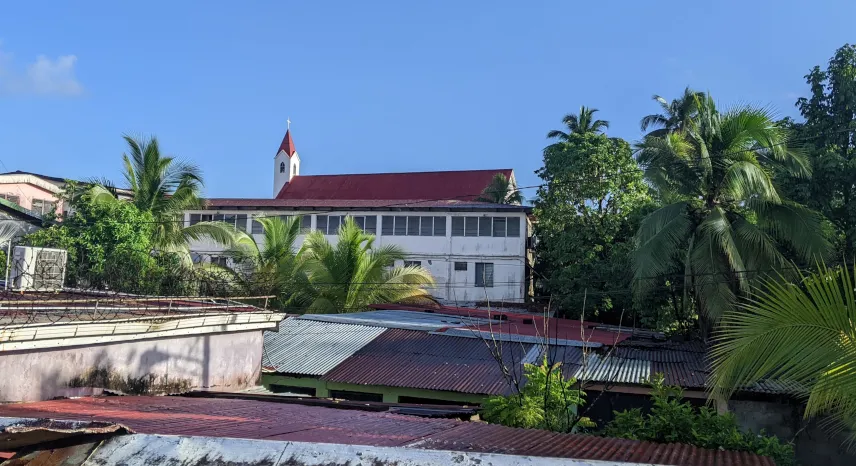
287,144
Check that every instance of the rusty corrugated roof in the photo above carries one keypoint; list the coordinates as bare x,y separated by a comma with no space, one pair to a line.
290,422
414,359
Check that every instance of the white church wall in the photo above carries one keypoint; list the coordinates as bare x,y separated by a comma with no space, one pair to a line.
438,254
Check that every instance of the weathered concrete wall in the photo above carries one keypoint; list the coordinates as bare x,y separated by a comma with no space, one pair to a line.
217,361
812,444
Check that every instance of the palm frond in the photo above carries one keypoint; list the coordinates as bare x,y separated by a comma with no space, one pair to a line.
659,240
797,226
744,180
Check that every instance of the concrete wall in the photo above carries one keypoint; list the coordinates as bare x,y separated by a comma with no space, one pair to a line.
27,192
436,253
218,361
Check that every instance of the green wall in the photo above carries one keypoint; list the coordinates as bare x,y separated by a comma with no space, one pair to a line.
390,394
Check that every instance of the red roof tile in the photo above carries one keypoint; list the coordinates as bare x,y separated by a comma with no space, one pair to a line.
287,144
292,422
416,359
464,185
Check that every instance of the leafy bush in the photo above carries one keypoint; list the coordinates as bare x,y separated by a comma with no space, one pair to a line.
674,421
546,401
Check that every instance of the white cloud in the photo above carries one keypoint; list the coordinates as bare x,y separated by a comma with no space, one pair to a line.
41,77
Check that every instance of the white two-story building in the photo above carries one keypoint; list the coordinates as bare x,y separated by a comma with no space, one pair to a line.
476,251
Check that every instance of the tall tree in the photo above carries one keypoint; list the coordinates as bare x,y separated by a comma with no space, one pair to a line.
803,335
165,187
675,115
581,123
829,138
728,223
588,209
501,191
354,273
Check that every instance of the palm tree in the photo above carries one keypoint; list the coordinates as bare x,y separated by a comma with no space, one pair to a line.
583,123
276,268
354,274
801,334
165,187
729,223
676,114
500,191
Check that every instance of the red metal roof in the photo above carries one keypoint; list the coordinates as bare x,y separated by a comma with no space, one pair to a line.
227,203
512,323
287,144
292,422
417,359
465,185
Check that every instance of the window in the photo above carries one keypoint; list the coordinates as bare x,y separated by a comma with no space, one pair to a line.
11,198
367,222
413,263
328,224
472,226
485,224
514,226
305,224
386,227
400,225
356,396
238,221
282,167
457,226
220,261
194,218
41,206
459,266
499,227
258,228
439,226
426,227
484,274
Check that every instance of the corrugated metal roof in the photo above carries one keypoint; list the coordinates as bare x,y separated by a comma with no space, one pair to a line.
596,368
413,359
299,423
406,320
308,347
464,185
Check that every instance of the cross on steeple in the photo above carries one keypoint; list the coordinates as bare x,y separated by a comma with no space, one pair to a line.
288,123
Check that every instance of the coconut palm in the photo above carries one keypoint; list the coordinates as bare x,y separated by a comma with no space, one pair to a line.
729,223
676,114
165,187
582,123
275,268
353,274
803,334
500,191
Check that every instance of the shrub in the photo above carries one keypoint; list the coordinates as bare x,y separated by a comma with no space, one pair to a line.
672,420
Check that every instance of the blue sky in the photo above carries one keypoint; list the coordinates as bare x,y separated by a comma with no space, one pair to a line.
376,86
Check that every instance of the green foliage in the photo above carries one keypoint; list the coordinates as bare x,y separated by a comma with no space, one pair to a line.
500,191
725,224
546,401
107,244
588,211
323,278
3,263
802,334
827,139
581,123
672,420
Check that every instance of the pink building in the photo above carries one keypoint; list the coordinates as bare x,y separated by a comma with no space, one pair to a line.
34,192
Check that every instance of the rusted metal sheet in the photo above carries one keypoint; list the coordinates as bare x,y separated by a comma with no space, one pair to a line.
297,423
16,433
532,442
412,359
308,347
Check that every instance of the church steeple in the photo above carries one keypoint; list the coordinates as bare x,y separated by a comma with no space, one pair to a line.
286,164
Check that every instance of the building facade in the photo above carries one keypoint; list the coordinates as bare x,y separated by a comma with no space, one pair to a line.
475,249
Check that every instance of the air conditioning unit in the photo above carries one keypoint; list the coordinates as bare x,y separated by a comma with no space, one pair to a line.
41,269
